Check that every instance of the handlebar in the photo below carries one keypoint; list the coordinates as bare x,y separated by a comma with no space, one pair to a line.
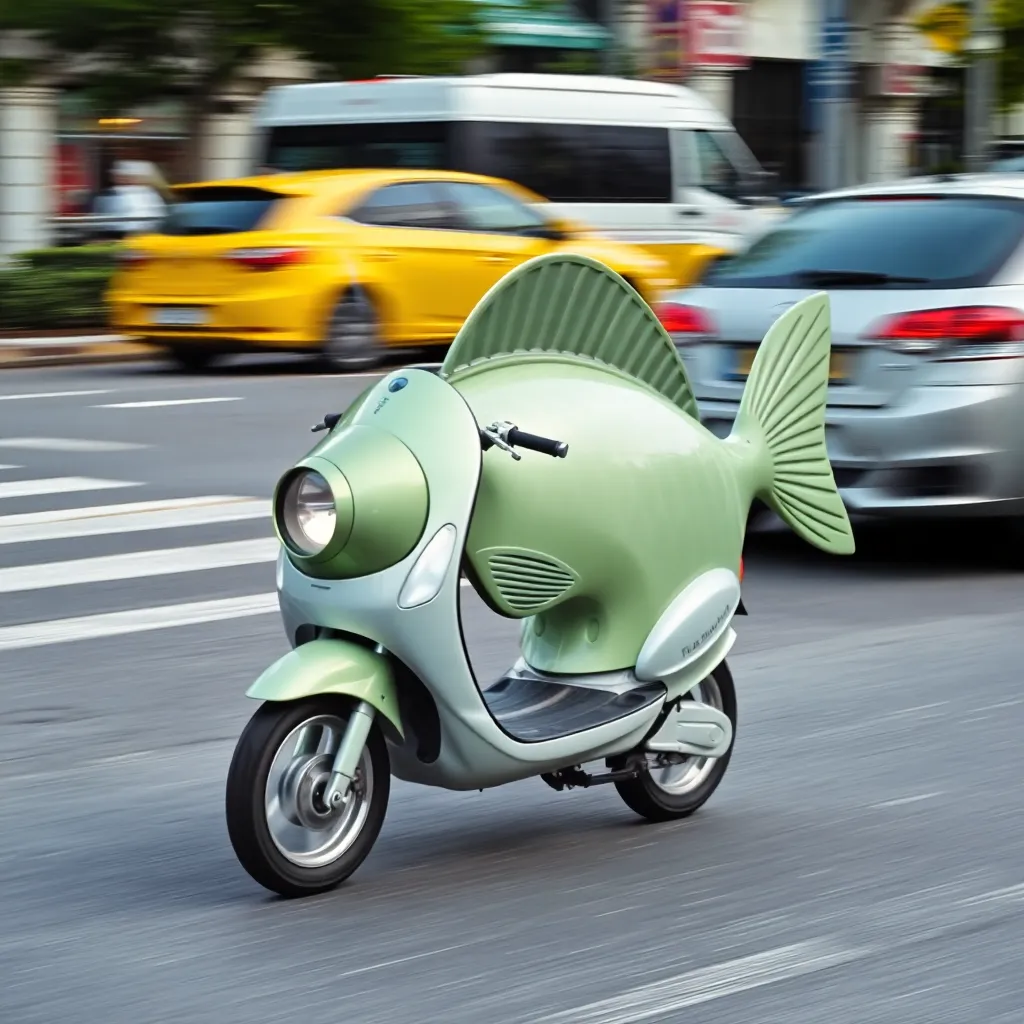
535,443
507,436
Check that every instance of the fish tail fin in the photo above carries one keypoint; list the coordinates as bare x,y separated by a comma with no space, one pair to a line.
780,427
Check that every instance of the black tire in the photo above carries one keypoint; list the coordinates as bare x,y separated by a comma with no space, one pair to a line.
644,796
191,358
353,334
245,805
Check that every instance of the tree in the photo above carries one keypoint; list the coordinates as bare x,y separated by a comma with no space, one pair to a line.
127,52
1008,16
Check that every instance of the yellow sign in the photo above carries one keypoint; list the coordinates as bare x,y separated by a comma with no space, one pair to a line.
946,26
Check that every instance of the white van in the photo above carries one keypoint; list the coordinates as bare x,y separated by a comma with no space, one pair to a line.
642,162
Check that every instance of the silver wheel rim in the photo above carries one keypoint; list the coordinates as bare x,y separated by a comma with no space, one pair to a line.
306,834
352,334
683,778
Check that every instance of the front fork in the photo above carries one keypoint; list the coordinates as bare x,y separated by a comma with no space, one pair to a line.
350,749
346,758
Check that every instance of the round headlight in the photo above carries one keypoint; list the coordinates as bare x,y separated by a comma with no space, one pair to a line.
310,517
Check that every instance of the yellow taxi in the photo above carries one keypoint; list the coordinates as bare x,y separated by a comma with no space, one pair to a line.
344,264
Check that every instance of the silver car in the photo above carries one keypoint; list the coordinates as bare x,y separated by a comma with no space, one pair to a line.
926,281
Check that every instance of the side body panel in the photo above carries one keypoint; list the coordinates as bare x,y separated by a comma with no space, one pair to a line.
591,549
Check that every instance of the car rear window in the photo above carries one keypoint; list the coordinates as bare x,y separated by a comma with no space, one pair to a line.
907,242
219,211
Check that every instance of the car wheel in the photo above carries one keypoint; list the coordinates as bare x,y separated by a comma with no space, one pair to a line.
353,334
191,358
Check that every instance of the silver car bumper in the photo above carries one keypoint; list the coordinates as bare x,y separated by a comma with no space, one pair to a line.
945,450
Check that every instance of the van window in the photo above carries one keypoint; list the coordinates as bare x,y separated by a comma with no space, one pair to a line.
569,163
419,145
715,169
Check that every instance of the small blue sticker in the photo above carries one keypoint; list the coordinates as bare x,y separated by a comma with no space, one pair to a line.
397,384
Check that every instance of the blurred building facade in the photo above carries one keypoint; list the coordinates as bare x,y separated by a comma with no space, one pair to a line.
769,65
780,68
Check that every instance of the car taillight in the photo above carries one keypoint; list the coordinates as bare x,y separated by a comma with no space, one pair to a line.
684,323
931,329
268,259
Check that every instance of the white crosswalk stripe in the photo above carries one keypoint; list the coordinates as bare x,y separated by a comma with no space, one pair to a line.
138,516
128,557
214,550
58,485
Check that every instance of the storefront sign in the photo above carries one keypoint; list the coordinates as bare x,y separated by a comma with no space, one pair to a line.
903,80
693,35
665,23
946,26
716,35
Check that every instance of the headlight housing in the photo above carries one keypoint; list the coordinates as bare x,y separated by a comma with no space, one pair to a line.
307,512
315,506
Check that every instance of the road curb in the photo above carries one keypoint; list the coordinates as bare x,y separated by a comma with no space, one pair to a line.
17,354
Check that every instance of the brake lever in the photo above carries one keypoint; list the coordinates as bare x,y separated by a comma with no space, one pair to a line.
490,434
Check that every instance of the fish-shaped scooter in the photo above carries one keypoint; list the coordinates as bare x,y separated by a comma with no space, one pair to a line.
557,459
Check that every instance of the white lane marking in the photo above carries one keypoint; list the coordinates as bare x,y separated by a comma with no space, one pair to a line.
139,620
400,960
165,401
904,800
54,394
137,565
1000,705
8,466
1011,892
660,998
67,444
129,518
59,485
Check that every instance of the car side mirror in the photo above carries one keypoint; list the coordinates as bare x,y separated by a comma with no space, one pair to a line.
550,231
761,186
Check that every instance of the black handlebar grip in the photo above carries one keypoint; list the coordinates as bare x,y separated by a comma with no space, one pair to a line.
535,443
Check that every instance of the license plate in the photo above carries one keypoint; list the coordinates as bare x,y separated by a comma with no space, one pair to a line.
179,316
838,368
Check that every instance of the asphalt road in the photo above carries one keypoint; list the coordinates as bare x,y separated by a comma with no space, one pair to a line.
861,863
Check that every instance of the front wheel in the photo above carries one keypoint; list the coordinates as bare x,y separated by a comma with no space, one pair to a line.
667,792
280,830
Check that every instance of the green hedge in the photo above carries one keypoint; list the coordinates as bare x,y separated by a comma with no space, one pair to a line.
56,289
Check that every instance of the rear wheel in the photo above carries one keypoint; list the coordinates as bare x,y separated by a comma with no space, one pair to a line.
353,334
281,831
667,791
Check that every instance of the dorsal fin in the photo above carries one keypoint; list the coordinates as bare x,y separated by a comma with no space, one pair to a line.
567,306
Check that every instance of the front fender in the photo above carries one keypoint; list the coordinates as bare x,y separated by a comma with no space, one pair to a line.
332,666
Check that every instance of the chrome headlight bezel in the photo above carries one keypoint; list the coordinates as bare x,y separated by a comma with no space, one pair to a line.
287,523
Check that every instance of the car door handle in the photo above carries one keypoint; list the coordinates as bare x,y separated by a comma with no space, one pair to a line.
690,211
494,258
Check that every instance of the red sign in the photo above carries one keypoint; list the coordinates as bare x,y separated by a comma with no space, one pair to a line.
716,34
903,80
